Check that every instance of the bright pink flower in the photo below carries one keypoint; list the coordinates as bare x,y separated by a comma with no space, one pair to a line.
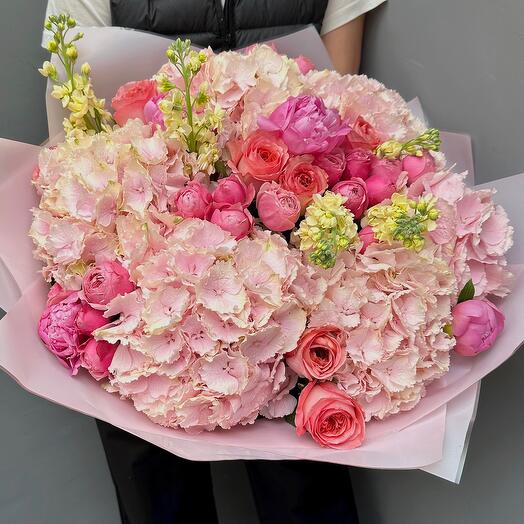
358,163
130,100
97,356
367,237
152,113
232,190
89,319
363,135
304,64
192,201
382,182
57,294
320,352
356,193
304,179
330,416
334,164
386,168
306,125
233,218
263,156
278,208
105,281
416,166
476,325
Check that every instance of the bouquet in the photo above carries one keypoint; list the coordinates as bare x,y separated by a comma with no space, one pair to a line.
246,237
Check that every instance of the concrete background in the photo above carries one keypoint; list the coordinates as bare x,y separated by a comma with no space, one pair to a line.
465,60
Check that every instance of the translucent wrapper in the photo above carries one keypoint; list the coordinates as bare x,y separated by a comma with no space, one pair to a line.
433,436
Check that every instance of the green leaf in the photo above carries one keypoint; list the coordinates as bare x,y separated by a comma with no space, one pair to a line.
467,293
290,419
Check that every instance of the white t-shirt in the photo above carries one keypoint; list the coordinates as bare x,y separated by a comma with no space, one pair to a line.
98,13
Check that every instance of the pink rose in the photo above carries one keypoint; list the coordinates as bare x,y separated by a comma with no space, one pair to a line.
334,164
379,188
89,319
356,193
105,281
263,156
416,166
367,237
320,352
152,113
59,332
96,357
232,190
332,418
304,64
358,163
386,168
277,208
192,201
234,219
476,325
130,100
306,125
363,135
304,179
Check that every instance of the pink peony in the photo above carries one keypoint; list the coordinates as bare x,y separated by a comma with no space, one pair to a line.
152,113
192,201
232,190
277,208
320,352
262,156
367,237
234,219
105,281
363,135
330,416
358,163
386,168
306,125
356,193
334,164
476,325
416,166
131,98
304,179
96,357
89,319
304,64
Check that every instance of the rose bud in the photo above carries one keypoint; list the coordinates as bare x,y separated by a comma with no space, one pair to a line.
476,325
330,416
234,219
334,164
367,237
356,193
97,356
416,166
358,164
232,190
277,208
105,281
320,352
192,201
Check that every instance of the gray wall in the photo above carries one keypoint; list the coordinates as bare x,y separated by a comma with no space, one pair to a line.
465,60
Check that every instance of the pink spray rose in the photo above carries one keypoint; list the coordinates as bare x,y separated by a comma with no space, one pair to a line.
233,218
320,352
330,416
416,166
476,325
96,357
306,125
130,100
382,182
367,237
277,208
152,113
363,135
263,156
358,163
334,164
232,190
105,281
356,193
192,201
304,179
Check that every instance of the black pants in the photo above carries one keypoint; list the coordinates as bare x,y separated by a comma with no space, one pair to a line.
157,487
